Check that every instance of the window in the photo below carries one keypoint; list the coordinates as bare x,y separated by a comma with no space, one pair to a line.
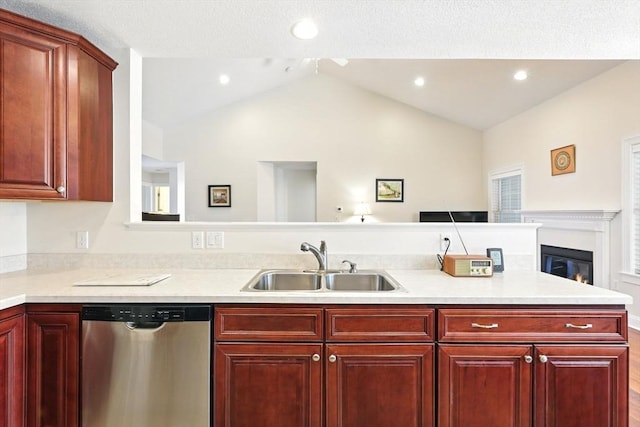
506,195
631,205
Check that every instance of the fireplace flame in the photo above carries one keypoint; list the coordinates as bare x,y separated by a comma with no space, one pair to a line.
580,278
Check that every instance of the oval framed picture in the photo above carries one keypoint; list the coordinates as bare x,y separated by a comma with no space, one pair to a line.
563,160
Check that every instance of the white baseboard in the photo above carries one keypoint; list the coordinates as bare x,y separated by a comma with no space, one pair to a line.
634,322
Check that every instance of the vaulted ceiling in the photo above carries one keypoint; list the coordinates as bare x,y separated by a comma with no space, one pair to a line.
466,50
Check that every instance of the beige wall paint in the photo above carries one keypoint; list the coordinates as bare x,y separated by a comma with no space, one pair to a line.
355,136
595,116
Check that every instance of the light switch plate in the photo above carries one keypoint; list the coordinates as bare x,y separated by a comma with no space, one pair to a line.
82,240
197,239
215,239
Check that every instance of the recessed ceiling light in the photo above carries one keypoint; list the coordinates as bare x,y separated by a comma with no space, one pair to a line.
419,81
305,29
224,79
521,75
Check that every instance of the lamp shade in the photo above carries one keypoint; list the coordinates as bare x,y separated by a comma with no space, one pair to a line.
362,209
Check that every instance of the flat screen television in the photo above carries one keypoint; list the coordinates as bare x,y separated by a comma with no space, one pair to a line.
458,216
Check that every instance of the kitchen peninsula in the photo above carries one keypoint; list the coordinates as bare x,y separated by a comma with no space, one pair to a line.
524,343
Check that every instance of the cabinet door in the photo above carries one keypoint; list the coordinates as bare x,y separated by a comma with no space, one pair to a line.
581,386
485,385
12,370
379,385
53,356
33,115
268,385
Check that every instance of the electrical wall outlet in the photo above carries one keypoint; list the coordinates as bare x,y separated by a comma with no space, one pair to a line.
82,240
197,239
444,244
215,240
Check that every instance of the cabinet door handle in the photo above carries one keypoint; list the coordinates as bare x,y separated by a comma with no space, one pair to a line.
543,358
315,357
61,189
528,359
332,358
479,325
585,326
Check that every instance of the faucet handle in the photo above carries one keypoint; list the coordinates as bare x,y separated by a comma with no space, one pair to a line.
352,266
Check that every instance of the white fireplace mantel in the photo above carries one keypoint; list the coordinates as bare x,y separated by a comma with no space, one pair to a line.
570,223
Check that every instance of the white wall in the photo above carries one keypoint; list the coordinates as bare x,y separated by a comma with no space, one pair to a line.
354,136
13,236
152,140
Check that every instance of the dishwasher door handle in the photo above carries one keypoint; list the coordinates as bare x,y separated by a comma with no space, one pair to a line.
144,325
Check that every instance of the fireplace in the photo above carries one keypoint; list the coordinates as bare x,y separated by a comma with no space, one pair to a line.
573,264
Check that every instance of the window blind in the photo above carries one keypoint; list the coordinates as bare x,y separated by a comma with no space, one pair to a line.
506,197
636,211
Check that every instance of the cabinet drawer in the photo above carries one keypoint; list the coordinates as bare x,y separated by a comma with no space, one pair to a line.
380,324
268,324
462,325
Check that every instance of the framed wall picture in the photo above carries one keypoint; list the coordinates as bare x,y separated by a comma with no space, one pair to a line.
389,190
563,160
219,196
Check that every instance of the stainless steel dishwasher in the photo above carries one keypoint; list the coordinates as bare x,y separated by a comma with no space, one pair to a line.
145,365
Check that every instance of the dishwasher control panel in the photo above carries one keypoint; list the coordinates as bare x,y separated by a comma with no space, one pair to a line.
146,313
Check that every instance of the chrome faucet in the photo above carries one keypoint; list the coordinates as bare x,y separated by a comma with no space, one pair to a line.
320,254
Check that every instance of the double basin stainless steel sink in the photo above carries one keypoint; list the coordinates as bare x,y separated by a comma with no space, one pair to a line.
319,280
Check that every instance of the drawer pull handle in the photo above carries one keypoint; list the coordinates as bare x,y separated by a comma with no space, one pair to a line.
315,357
571,325
478,325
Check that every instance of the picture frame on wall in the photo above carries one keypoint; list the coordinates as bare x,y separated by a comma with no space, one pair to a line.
389,190
219,196
563,160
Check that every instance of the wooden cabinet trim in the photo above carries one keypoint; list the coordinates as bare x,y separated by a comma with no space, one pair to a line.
12,348
11,312
32,25
268,324
386,324
513,325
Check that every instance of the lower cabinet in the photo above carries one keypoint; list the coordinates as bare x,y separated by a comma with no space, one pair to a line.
371,375
12,372
513,385
582,386
53,362
484,385
349,366
268,384
562,377
379,385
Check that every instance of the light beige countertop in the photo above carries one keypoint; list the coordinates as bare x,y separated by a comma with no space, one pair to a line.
224,286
